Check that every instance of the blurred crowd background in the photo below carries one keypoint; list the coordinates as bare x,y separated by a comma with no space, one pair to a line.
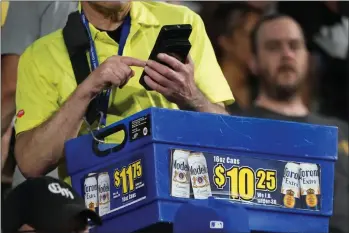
229,26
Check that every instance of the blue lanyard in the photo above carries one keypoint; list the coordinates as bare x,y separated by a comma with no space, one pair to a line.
125,30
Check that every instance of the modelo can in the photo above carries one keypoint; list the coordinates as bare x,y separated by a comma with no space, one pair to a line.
310,186
103,193
290,190
91,191
180,185
199,175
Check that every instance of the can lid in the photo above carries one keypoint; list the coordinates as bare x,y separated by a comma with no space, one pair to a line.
195,153
181,151
103,173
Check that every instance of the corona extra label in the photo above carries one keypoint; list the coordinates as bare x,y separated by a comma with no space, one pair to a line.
180,186
289,199
290,190
91,191
199,175
310,186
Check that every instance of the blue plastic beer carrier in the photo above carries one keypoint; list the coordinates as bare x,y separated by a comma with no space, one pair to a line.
144,155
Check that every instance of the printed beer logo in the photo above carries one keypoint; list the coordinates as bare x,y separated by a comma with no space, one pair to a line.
181,171
198,170
291,174
104,193
309,176
311,198
91,206
90,191
291,177
90,188
289,199
199,175
103,182
180,165
104,188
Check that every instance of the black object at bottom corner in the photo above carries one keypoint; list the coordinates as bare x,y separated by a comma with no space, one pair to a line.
157,228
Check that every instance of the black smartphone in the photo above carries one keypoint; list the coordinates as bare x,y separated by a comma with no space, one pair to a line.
172,40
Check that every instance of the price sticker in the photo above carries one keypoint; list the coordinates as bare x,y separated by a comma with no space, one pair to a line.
243,181
258,181
126,177
117,186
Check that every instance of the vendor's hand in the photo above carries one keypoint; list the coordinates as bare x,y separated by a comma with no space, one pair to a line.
175,82
115,71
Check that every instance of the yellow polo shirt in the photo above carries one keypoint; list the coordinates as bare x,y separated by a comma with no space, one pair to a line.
4,9
46,78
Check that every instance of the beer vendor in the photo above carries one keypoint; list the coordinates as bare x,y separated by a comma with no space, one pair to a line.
51,107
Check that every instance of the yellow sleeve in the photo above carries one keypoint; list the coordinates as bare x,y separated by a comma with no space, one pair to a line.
208,74
36,95
4,10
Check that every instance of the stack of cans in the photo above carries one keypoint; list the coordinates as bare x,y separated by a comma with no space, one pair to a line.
97,192
190,168
301,186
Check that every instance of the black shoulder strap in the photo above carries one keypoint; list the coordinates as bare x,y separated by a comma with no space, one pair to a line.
77,43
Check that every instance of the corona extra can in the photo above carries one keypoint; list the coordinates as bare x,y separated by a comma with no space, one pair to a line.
199,175
290,190
91,191
180,186
310,186
103,193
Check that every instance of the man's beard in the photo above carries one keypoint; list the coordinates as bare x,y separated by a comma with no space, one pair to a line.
113,13
280,92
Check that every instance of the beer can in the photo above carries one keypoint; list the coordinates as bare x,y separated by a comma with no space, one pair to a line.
103,193
199,175
310,186
91,191
180,185
290,190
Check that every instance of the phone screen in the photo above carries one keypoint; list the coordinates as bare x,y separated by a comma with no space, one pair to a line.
172,40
